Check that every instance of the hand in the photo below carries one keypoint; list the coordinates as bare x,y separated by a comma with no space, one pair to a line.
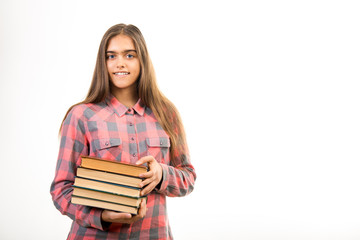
152,177
118,217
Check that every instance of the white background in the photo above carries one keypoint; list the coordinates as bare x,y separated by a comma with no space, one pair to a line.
268,92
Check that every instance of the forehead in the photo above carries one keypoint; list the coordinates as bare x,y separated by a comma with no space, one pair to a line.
120,43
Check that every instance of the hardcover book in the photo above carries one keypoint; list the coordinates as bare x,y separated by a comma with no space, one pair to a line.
107,184
102,204
107,187
110,166
108,177
106,196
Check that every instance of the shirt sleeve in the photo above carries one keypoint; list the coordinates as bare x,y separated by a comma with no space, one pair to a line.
179,177
73,144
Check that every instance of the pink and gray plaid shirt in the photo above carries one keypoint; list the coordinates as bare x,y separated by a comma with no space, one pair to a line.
109,130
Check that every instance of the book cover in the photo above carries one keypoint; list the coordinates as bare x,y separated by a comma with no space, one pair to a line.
107,187
109,177
111,166
104,205
106,196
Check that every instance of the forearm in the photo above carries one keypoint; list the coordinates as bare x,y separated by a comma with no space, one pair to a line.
61,191
177,181
73,144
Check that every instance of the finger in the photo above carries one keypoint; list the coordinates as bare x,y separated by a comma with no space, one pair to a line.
148,189
141,212
132,219
154,168
147,181
145,160
124,215
143,209
116,216
148,174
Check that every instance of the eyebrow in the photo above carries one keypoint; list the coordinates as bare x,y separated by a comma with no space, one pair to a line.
125,51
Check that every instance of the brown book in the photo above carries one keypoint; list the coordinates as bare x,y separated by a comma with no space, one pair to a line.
110,166
105,196
109,177
107,187
102,204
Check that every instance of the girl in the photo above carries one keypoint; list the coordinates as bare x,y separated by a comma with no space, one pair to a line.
124,118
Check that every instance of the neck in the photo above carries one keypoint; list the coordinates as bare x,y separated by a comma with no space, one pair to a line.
128,97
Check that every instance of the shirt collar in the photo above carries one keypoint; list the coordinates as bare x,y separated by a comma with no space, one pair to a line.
120,109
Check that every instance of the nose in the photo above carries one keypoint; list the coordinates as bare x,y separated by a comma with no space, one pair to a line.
120,63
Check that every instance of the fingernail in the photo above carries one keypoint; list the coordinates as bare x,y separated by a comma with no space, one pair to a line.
141,175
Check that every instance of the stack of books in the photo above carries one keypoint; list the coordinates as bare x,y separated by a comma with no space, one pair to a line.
108,185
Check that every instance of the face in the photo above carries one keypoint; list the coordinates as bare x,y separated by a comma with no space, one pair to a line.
122,63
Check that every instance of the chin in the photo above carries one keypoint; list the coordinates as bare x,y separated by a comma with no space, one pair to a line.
121,84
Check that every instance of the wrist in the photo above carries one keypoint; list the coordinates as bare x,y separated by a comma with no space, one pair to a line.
105,225
158,186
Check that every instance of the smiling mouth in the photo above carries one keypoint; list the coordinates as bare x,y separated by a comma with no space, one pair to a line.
121,73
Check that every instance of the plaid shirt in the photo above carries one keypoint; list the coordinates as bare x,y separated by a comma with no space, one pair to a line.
109,130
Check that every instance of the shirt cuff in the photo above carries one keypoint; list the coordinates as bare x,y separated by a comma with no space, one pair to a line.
161,187
96,221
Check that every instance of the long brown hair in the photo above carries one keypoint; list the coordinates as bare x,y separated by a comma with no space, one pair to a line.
163,109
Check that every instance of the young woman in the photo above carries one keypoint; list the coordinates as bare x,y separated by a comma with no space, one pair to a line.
124,118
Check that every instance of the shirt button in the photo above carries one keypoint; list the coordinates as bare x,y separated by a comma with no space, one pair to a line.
106,143
132,139
134,155
131,124
129,110
161,143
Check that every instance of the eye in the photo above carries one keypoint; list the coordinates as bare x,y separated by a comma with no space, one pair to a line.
110,56
129,55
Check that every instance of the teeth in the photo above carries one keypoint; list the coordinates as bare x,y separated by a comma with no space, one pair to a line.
122,73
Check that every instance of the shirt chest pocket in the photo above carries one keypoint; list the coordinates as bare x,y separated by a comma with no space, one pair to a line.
159,148
107,148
